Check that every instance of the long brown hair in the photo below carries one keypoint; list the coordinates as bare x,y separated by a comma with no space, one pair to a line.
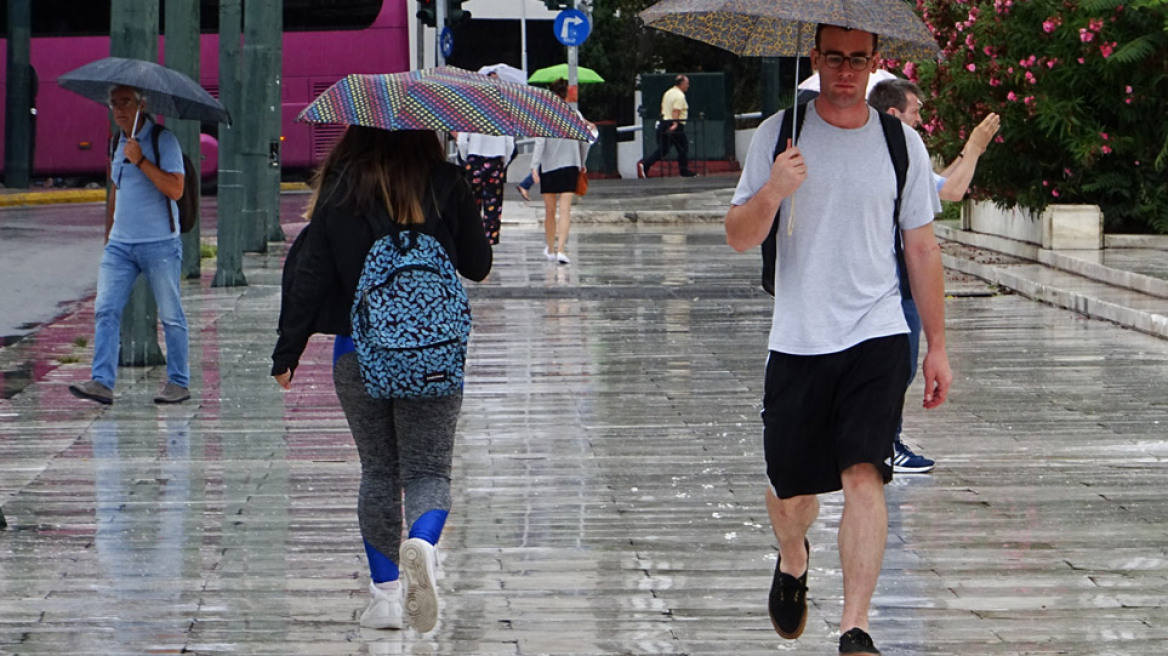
380,169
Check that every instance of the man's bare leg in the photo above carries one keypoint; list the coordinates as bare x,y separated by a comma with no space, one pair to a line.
862,536
790,520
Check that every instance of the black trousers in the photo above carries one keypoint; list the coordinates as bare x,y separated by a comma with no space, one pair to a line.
667,138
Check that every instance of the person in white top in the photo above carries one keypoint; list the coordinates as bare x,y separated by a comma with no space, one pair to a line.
836,373
556,165
485,158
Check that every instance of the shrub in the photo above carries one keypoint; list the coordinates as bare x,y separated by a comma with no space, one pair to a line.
1082,89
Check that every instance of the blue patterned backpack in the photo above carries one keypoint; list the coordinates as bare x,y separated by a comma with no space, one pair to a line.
411,319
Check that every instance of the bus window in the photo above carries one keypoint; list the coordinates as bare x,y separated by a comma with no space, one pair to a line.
63,18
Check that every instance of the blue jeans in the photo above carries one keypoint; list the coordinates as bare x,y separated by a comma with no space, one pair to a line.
528,182
909,307
161,263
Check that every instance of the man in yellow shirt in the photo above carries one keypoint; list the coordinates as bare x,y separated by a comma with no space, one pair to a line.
671,129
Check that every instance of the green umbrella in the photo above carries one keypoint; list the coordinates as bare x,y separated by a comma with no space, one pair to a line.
553,73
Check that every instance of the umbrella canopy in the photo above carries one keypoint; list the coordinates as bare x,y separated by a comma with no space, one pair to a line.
506,72
553,73
169,92
778,28
446,98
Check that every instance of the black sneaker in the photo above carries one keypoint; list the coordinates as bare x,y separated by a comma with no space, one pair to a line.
787,604
857,641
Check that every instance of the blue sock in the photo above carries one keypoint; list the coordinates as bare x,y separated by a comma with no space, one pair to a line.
381,568
429,526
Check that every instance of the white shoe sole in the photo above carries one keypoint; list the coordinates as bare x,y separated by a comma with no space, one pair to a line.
421,595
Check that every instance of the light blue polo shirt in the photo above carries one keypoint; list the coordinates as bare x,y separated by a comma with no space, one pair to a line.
142,212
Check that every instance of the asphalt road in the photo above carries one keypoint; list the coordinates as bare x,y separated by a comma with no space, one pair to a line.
48,261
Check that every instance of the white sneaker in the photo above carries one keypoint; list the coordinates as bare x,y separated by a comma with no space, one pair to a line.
562,258
549,254
418,562
384,610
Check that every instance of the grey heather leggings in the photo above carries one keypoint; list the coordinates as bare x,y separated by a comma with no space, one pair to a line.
403,444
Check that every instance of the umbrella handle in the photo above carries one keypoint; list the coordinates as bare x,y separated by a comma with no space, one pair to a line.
134,127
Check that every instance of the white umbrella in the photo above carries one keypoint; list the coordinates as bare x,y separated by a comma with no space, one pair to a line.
506,72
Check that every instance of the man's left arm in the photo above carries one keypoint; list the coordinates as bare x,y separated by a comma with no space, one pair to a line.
922,255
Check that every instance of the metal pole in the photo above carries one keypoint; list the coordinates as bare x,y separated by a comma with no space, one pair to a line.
272,53
229,230
182,54
134,33
439,27
523,37
258,74
19,105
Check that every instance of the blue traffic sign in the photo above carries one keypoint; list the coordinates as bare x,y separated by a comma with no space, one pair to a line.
572,27
446,42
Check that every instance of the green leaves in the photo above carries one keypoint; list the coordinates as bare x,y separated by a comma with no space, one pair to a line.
1082,89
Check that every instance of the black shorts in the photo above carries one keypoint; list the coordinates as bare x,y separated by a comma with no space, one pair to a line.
559,181
824,413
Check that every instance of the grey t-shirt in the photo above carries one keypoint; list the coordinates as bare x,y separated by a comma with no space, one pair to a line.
835,277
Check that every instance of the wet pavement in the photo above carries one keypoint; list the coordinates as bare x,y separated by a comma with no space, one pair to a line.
608,477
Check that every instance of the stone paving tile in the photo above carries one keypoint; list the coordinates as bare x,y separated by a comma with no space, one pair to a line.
608,485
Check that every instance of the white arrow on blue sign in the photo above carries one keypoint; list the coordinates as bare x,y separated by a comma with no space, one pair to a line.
572,27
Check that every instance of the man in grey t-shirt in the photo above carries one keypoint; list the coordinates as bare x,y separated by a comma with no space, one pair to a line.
837,369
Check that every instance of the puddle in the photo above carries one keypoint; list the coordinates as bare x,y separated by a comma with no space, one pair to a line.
13,381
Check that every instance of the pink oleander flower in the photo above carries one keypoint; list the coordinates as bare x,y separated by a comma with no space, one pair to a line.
1012,97
969,42
1127,89
1095,24
972,68
1081,60
1054,192
995,82
910,70
1051,24
1010,70
1104,136
1106,49
1106,150
1046,183
1029,100
1030,78
1085,36
989,52
1067,172
1127,101
1051,63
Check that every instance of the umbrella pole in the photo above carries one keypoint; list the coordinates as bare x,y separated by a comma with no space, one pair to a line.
794,127
134,127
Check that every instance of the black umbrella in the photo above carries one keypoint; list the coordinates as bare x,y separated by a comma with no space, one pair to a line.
169,92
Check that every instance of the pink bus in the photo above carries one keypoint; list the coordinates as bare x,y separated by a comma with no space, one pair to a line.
324,40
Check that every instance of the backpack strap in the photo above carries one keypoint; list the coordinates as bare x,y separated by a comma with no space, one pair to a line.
770,244
154,132
898,151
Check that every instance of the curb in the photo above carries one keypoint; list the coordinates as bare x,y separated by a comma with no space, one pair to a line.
52,197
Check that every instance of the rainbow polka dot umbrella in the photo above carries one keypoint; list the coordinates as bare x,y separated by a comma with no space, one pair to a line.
446,98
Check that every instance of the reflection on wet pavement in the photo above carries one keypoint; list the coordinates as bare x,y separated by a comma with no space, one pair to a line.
608,481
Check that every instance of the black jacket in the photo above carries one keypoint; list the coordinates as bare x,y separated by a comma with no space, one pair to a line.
324,264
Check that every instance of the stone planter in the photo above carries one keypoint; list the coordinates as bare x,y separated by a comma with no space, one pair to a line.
1059,227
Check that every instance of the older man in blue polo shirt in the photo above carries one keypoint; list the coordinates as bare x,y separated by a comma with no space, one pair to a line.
142,238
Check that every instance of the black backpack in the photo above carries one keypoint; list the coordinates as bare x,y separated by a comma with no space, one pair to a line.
188,203
897,150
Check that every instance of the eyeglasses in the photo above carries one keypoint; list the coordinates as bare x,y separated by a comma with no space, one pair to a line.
835,60
124,103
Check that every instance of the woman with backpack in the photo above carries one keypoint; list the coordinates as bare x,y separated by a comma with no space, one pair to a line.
373,183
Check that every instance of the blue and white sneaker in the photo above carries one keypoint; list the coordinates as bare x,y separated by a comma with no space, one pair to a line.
906,462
